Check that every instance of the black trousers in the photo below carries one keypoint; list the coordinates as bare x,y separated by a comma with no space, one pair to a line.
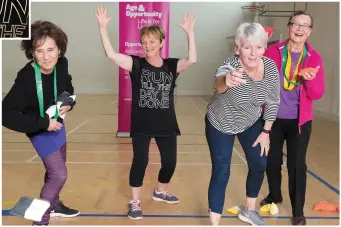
297,144
168,152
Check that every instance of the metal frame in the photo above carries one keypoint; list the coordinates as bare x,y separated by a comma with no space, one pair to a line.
262,14
265,11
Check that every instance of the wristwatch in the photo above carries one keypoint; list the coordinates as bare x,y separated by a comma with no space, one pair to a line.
266,131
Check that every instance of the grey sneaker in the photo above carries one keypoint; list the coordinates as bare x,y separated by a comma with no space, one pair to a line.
251,216
135,211
164,196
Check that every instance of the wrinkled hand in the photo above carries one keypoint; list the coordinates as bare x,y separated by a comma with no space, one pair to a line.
101,15
234,78
264,141
64,109
54,125
188,23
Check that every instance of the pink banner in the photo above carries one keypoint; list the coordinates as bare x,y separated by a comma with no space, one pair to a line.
133,17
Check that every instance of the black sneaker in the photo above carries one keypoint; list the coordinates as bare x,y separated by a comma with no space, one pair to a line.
60,210
269,200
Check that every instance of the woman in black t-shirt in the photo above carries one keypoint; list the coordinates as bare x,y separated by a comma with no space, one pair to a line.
153,114
39,85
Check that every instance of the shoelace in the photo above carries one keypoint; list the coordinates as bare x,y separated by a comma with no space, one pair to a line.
165,194
135,206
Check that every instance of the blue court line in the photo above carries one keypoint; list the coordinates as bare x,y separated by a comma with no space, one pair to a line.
111,143
6,213
322,181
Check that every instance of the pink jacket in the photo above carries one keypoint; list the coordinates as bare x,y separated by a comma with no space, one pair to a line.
309,90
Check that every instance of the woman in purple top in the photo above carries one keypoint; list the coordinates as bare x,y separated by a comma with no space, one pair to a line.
295,113
37,86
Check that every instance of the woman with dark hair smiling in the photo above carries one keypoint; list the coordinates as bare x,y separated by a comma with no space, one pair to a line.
37,86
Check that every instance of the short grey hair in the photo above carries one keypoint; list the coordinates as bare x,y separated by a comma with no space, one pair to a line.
253,32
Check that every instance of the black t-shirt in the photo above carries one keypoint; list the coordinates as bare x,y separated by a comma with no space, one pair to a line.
153,111
14,19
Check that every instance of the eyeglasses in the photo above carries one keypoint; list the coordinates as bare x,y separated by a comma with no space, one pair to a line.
297,26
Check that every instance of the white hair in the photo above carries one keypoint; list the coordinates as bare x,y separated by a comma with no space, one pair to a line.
253,32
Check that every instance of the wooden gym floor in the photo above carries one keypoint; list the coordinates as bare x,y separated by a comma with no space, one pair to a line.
98,169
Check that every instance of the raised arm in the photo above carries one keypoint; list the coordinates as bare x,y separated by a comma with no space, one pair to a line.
188,26
122,60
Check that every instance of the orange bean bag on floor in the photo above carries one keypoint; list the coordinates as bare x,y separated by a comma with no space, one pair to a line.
325,206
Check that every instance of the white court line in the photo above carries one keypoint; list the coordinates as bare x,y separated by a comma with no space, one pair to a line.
234,149
240,155
112,103
31,159
195,106
94,151
80,125
203,100
116,163
122,152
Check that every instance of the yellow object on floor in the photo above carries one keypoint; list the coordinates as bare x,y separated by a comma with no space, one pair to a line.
271,208
235,209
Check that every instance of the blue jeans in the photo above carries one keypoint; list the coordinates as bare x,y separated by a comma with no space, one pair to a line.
221,147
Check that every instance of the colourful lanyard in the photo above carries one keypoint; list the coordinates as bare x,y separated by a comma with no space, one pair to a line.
39,86
291,78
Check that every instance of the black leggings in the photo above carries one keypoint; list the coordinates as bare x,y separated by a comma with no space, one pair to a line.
167,148
297,145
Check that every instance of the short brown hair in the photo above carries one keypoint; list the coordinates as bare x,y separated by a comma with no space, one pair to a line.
300,12
42,30
155,30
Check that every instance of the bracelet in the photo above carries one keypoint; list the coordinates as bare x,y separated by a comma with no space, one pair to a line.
266,131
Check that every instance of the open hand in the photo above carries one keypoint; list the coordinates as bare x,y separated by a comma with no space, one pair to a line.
264,141
188,23
101,15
